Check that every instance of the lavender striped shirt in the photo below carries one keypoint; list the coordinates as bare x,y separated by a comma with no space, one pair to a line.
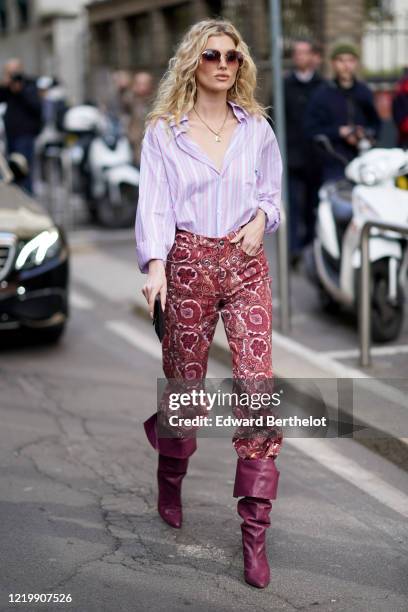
181,187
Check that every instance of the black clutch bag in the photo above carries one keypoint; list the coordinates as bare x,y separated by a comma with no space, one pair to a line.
158,318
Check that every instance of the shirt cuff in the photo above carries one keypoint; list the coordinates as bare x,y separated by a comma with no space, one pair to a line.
272,217
145,251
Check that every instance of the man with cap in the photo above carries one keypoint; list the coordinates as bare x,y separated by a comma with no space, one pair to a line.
343,110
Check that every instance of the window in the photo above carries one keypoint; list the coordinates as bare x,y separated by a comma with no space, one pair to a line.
141,50
214,8
23,13
3,16
377,10
177,20
103,41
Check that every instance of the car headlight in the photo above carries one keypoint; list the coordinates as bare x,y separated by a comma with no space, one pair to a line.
43,246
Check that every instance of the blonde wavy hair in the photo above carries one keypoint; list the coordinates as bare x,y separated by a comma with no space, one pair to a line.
177,90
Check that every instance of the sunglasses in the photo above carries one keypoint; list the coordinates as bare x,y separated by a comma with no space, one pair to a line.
231,57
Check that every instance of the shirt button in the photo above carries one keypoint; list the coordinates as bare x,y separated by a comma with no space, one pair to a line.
221,242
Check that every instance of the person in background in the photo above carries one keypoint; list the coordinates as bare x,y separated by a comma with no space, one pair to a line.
142,90
23,117
54,106
317,57
121,104
303,177
54,101
400,110
343,110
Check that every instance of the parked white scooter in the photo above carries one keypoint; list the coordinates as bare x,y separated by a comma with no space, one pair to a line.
101,164
368,192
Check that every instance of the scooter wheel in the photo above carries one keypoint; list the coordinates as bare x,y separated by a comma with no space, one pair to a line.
327,303
386,317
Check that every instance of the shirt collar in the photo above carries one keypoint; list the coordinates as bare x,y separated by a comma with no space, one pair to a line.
239,111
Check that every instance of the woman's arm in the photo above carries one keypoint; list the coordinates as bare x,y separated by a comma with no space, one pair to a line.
155,223
268,183
269,179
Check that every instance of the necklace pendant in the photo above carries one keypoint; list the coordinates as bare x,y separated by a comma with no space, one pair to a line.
217,138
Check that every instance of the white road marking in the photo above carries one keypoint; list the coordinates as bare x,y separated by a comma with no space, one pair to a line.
376,350
142,341
115,280
324,363
90,236
333,369
78,300
138,339
348,469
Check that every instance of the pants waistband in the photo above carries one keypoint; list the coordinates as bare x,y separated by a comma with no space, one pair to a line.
206,240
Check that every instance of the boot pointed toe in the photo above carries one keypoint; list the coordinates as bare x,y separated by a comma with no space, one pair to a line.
172,516
258,577
170,474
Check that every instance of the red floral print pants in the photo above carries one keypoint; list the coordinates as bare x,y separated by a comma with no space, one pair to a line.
206,277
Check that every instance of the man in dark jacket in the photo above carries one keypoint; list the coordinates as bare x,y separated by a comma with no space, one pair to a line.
303,179
343,110
23,117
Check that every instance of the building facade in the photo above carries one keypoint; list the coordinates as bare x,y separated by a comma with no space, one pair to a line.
83,41
385,38
142,34
49,36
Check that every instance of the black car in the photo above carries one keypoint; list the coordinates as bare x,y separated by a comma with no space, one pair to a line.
34,266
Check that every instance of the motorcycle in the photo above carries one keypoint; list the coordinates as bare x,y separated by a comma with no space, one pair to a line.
100,162
368,191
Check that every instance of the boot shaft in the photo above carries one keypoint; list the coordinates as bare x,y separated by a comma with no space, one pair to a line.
171,447
255,514
256,478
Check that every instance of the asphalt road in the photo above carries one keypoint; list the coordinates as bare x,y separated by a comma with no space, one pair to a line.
78,491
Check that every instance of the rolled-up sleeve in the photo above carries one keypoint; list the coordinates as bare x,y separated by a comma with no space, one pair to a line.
269,180
155,223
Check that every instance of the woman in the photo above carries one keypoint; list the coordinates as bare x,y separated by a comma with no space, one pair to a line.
209,190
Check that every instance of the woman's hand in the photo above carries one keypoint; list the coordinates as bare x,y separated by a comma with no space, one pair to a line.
156,283
252,234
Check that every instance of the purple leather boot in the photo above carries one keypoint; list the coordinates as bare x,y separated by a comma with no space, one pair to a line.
172,467
170,474
256,480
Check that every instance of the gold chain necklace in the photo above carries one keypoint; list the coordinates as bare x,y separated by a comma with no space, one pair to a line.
217,134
